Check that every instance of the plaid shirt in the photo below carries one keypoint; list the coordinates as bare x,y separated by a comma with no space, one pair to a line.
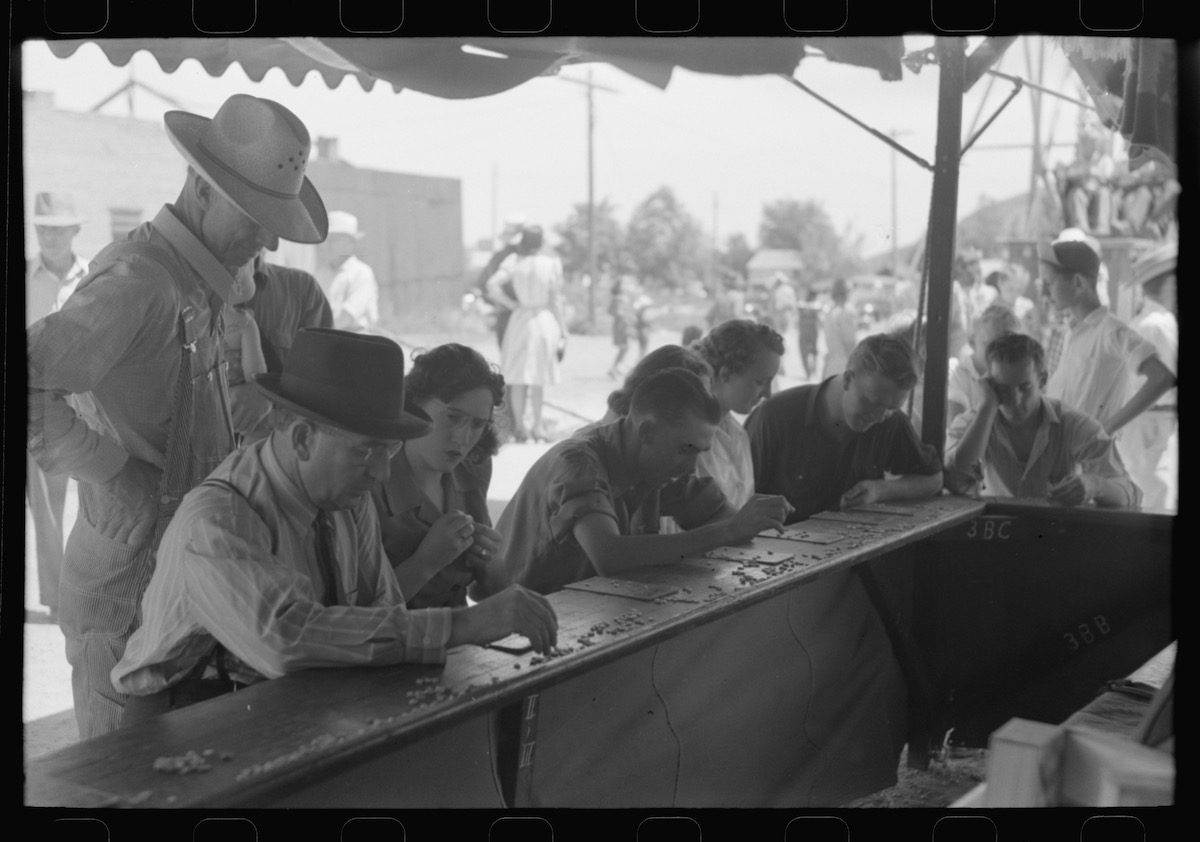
240,567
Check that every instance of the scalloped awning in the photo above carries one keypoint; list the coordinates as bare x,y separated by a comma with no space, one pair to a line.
457,68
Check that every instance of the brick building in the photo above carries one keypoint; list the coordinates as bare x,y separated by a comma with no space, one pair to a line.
121,170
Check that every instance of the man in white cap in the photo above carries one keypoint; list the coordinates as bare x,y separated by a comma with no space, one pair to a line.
138,345
1147,436
1102,354
274,563
50,278
351,287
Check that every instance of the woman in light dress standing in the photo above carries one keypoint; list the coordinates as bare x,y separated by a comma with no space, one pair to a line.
537,332
840,327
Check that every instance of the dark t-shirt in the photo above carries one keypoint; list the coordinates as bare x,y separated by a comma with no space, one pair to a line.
286,300
794,457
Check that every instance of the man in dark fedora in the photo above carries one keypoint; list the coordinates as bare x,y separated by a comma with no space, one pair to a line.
50,278
137,349
274,563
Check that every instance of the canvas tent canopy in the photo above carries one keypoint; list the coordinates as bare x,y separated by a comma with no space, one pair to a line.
474,67
459,68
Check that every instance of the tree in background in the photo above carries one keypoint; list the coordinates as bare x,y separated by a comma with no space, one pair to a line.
664,242
737,254
807,228
573,240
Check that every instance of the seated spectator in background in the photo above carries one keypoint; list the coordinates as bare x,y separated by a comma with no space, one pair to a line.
828,445
433,507
273,564
1102,353
591,505
993,322
744,357
1019,443
661,358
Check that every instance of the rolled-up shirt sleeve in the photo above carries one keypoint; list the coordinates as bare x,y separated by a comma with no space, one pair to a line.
1096,453
265,611
577,487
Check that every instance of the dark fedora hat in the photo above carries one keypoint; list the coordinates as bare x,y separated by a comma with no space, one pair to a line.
352,381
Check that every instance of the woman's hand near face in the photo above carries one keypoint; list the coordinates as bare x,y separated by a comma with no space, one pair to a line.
448,538
484,547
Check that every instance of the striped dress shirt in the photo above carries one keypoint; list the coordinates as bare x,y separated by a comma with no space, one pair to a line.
239,566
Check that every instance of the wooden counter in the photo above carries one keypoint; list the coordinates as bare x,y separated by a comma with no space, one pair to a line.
348,737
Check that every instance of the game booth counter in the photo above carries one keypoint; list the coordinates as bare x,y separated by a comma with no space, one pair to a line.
791,675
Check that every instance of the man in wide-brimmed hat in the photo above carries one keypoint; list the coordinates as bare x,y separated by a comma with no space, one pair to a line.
1103,356
138,345
50,278
275,563
349,282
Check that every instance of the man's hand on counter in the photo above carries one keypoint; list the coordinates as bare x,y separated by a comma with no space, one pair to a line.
514,609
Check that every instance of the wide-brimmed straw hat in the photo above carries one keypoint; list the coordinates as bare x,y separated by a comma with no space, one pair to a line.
254,151
351,381
55,210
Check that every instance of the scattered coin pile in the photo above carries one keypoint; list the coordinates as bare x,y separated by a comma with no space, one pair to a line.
430,691
317,744
189,762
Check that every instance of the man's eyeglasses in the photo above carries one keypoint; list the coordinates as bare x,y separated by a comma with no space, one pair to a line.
365,451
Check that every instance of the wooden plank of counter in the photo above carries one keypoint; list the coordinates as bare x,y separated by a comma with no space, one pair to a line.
308,725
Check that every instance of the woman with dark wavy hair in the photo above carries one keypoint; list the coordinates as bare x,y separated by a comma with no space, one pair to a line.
433,507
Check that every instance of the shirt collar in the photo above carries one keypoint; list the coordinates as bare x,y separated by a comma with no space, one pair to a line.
812,402
400,492
1091,319
1051,411
294,504
191,249
612,440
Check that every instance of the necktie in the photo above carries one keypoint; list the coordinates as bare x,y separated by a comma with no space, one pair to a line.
325,559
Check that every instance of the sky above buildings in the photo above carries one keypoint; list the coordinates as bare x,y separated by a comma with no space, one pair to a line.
726,146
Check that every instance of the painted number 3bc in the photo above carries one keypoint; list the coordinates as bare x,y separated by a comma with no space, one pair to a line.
1086,633
987,529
